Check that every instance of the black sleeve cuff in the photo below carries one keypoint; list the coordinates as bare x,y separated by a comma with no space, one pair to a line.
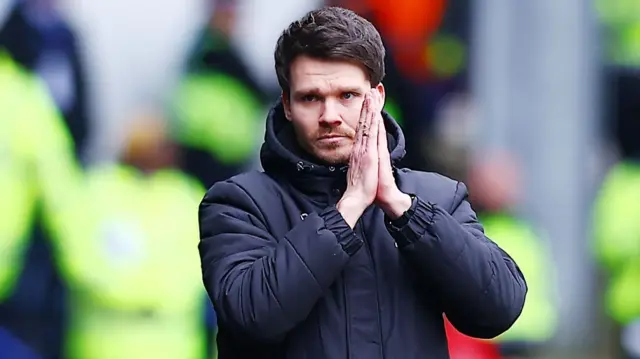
404,218
416,221
347,238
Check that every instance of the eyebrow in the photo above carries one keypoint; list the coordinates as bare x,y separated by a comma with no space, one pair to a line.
317,91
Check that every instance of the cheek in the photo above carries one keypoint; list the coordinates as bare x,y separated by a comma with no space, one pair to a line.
305,122
305,113
351,114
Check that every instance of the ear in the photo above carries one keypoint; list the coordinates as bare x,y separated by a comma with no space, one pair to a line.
286,102
380,88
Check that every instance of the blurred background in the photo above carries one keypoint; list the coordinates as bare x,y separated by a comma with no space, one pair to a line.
115,116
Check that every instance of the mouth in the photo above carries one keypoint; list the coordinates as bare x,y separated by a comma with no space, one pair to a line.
328,137
331,141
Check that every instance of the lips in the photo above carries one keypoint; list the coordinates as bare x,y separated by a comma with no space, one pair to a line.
331,136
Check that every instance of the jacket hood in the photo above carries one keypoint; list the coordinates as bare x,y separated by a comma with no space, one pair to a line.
280,151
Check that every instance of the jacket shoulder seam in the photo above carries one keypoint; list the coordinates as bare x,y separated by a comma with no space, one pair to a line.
260,177
455,202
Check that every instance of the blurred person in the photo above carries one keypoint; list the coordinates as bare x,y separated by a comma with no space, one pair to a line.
40,39
617,247
333,251
496,187
36,36
615,226
128,254
38,174
217,86
215,50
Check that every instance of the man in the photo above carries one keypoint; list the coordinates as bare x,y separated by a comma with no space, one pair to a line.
217,84
38,175
333,252
617,249
129,224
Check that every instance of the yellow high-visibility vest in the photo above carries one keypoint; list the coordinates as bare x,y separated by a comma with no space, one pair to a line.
37,164
616,231
218,114
538,320
621,20
128,252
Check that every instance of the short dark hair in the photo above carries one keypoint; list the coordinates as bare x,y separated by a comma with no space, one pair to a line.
330,33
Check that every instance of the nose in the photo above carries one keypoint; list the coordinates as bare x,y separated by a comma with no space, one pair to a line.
330,114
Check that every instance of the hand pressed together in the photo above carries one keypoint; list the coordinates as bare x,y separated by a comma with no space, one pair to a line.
370,177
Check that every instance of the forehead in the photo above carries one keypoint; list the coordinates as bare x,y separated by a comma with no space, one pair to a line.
309,74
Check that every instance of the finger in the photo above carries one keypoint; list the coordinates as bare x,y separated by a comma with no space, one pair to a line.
362,120
366,125
372,144
383,148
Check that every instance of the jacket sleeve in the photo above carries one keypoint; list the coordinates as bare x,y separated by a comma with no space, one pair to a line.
479,286
262,286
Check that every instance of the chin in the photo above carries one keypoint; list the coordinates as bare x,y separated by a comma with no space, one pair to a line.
338,156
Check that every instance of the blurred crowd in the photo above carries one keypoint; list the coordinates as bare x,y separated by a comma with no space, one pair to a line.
98,243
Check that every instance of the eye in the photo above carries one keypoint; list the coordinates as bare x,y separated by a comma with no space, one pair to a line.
309,98
348,95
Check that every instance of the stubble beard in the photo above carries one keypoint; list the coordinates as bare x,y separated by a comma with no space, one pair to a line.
334,154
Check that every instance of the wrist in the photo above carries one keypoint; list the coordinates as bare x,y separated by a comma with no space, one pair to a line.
351,209
396,205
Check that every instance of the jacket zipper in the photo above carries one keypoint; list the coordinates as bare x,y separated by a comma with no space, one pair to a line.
375,274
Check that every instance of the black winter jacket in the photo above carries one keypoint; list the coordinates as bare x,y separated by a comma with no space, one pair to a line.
289,278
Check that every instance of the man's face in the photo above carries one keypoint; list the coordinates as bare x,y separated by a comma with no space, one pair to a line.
324,106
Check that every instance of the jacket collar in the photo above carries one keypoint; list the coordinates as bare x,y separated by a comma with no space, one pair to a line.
281,155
